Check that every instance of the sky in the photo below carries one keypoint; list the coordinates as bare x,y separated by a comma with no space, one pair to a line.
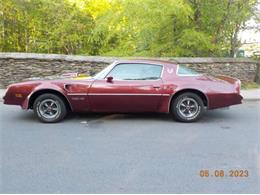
251,35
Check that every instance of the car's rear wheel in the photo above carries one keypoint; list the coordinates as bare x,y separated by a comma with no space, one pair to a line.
49,108
187,107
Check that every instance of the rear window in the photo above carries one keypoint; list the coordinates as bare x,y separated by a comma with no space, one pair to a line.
183,70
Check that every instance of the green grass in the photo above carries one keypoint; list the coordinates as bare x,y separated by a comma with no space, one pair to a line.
250,85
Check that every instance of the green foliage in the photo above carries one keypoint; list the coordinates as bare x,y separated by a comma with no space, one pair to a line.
124,27
47,26
250,85
194,43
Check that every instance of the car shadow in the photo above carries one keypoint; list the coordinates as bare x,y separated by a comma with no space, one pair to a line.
27,116
119,116
209,116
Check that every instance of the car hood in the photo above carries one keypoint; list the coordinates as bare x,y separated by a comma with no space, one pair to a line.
67,76
53,80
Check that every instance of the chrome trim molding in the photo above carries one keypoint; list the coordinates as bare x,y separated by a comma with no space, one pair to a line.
77,94
126,94
122,94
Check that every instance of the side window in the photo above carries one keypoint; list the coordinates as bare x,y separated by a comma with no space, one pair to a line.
136,72
183,70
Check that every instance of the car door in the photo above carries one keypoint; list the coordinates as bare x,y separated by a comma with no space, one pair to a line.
134,88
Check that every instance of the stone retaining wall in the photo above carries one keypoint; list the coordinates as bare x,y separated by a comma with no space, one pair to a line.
16,67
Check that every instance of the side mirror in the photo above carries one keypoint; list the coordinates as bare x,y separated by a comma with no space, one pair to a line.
109,79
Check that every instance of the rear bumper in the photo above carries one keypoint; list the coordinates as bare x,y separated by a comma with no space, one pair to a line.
224,100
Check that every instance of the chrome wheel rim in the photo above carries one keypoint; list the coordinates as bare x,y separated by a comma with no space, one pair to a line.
49,108
188,107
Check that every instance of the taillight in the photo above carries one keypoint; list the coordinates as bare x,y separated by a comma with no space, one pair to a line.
238,86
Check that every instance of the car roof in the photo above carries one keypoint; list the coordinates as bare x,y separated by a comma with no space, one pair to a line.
148,61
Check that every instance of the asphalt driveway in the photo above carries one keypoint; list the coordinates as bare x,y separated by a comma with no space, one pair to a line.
135,153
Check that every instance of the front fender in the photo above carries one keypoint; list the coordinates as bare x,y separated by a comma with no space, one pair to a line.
42,87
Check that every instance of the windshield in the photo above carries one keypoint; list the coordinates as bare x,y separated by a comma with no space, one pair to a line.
104,72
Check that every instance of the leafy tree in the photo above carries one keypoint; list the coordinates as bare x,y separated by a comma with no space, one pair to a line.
172,28
222,20
48,26
125,27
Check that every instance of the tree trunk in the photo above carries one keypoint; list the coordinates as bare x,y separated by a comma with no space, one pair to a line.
234,43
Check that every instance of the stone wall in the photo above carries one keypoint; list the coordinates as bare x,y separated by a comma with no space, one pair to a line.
16,67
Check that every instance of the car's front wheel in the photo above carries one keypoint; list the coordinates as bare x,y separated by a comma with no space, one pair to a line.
187,107
49,108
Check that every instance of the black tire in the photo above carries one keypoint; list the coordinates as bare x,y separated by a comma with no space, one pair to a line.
49,99
193,110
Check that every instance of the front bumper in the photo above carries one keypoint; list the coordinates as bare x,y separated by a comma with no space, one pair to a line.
12,98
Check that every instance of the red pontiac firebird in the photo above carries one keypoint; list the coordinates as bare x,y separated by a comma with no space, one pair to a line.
128,86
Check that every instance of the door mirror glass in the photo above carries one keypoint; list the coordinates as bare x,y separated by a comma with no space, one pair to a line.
109,79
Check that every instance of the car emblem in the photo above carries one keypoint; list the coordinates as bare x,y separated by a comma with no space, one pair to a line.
170,70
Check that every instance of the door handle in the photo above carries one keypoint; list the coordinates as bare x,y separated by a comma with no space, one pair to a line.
156,86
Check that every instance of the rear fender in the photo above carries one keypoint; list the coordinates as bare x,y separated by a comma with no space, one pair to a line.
233,81
178,91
